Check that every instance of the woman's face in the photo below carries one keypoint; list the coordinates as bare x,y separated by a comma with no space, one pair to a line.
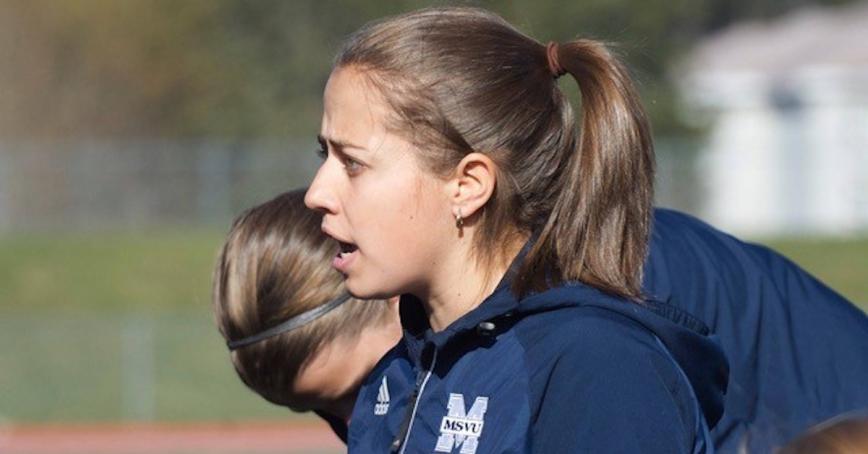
391,216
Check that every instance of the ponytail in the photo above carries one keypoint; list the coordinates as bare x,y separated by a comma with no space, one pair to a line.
597,231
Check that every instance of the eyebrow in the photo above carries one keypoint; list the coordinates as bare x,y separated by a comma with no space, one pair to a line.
339,144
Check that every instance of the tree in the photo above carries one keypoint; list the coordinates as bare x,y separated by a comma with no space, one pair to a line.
234,68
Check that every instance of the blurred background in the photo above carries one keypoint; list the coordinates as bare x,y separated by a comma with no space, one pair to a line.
132,132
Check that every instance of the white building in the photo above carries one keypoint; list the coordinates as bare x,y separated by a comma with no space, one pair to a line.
787,102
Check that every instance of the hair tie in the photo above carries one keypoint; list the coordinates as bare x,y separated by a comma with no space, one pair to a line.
295,322
554,62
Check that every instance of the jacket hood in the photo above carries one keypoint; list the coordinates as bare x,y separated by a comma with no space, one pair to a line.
687,339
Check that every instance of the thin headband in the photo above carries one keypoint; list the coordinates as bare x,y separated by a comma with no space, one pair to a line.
295,322
554,60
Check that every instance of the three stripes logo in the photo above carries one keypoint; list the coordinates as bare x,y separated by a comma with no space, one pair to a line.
382,405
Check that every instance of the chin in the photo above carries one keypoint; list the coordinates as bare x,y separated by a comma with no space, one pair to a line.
366,290
358,289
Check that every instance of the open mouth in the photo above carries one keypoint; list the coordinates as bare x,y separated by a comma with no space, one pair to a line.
344,256
347,248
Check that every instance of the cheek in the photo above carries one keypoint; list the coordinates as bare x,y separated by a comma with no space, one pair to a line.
411,217
308,384
310,379
386,205
323,377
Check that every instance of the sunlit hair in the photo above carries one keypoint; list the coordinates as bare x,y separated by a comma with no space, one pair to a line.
462,80
843,435
275,264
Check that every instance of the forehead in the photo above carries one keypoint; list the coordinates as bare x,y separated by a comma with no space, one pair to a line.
353,110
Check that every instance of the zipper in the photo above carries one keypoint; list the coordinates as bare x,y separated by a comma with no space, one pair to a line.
399,444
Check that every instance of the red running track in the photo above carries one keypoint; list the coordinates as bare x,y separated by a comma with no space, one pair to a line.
182,438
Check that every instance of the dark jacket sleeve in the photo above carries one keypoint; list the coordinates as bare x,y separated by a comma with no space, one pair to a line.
614,389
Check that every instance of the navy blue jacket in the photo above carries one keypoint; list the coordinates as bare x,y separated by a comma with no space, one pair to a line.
567,370
798,351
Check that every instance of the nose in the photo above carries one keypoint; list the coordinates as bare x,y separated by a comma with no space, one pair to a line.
319,195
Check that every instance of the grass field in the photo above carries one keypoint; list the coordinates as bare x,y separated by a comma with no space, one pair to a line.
171,270
117,326
842,264
145,271
90,322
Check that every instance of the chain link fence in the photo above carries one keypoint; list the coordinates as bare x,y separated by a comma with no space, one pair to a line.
104,184
136,184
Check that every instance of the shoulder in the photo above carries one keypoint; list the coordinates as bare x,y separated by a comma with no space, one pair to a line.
595,371
584,333
611,353
582,344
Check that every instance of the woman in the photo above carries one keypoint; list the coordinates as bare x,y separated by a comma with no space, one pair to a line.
453,175
296,337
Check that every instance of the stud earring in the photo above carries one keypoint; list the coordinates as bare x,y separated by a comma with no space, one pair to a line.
459,221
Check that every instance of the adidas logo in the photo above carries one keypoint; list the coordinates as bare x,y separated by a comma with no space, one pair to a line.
382,405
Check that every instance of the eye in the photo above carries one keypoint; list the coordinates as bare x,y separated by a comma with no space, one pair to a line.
352,166
322,152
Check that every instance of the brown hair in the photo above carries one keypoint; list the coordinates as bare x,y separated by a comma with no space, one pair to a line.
843,435
275,264
461,80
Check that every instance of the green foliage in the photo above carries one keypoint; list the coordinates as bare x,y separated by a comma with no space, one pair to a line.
233,68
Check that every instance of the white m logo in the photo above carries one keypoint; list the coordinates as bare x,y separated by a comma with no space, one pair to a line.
460,428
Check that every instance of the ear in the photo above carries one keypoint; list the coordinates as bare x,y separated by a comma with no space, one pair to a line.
472,184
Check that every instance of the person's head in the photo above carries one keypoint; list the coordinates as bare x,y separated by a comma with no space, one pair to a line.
842,435
274,266
452,114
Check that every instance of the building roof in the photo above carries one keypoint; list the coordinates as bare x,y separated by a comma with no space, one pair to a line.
806,38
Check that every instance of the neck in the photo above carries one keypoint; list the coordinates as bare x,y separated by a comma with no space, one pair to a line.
462,287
